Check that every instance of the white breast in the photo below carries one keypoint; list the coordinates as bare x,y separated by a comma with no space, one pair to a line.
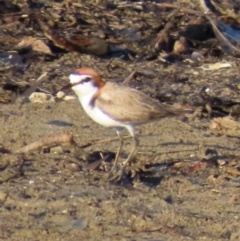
97,115
85,92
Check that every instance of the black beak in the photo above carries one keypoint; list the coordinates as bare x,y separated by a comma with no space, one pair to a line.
64,89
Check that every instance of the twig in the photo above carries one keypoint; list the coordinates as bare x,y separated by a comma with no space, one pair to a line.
174,6
34,86
103,141
129,78
53,139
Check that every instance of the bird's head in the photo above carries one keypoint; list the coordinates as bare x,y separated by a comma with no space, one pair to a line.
84,82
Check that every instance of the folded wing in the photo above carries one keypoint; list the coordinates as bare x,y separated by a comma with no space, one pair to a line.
128,105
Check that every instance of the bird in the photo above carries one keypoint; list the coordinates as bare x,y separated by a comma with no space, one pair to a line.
116,105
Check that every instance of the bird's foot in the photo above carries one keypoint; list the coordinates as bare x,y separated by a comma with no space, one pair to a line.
136,170
131,171
116,175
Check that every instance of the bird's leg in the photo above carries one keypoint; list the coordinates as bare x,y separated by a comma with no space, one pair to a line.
118,151
133,152
130,157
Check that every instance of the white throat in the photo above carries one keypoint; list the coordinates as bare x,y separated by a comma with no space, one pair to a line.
85,91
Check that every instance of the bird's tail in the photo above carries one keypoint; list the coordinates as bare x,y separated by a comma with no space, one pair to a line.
175,110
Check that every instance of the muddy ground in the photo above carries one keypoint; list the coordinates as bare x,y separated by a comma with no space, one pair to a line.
191,189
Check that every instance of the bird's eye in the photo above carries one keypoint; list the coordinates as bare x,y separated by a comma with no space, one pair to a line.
87,79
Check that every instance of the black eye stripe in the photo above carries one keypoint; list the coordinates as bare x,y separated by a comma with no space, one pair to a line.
87,79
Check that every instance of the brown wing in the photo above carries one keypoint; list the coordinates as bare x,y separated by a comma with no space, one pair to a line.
125,104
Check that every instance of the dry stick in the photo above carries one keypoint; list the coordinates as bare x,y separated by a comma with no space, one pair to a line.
60,138
34,86
108,140
182,9
103,141
129,78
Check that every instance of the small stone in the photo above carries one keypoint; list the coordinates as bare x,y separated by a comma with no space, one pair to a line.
56,150
37,97
60,94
